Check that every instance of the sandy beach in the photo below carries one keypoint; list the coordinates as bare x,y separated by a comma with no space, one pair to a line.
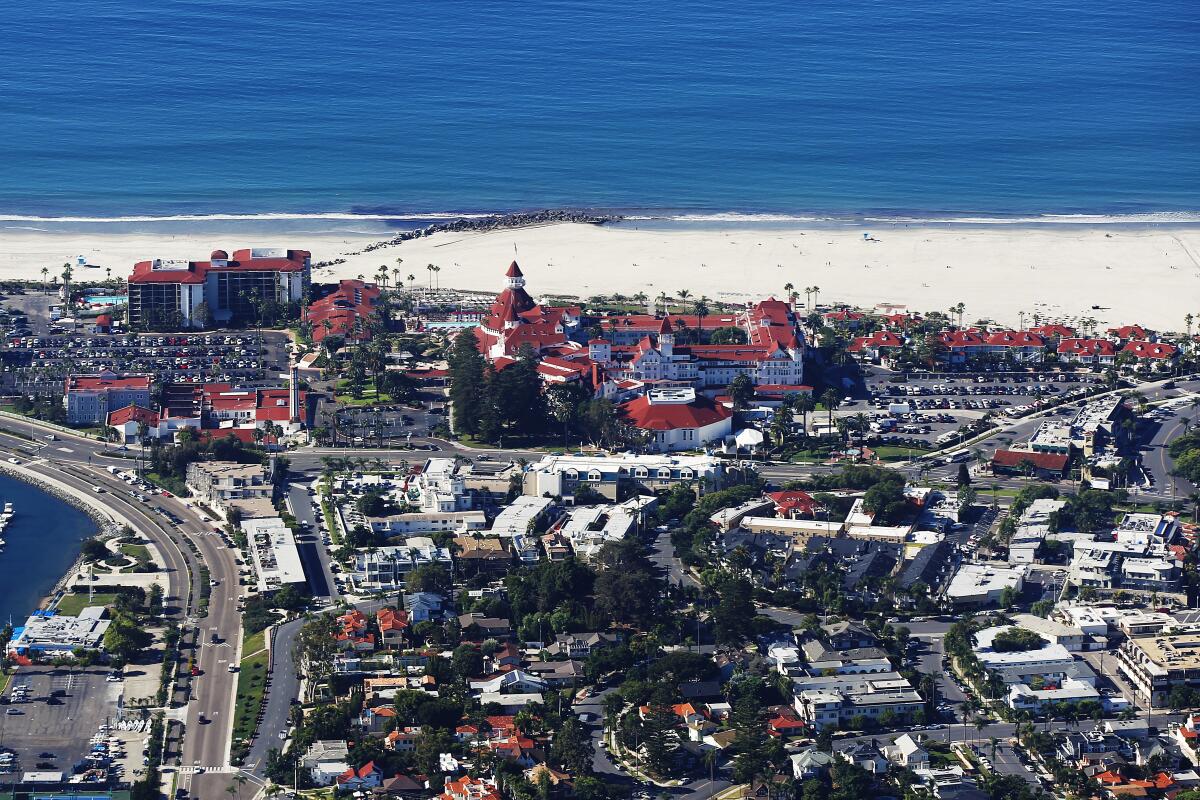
1144,274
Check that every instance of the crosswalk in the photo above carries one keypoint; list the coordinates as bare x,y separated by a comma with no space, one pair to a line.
196,770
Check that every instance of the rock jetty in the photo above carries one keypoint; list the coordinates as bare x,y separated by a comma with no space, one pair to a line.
492,222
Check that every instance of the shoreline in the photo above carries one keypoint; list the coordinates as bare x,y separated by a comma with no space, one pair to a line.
102,520
1054,270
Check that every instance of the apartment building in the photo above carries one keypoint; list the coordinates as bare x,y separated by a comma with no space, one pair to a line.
219,483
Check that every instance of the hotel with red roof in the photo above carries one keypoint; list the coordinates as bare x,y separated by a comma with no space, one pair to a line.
167,294
636,353
343,312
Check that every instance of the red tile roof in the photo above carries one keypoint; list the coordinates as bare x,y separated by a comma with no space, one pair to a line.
345,309
1151,349
792,501
1130,332
1014,339
197,271
674,416
132,414
1056,462
876,339
92,383
1086,347
1053,331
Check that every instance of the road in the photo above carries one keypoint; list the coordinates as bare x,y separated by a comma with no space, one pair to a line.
79,462
312,553
285,688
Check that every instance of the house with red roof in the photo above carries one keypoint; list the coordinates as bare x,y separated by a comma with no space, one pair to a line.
844,318
468,788
352,633
961,346
1053,331
795,504
89,399
678,419
877,348
1152,352
167,294
1023,347
129,421
368,776
343,312
1086,351
1127,333
393,626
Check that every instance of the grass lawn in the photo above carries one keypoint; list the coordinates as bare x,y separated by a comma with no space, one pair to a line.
370,396
5,677
891,452
254,642
251,686
137,552
72,604
175,486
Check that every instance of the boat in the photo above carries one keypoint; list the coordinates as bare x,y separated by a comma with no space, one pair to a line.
8,508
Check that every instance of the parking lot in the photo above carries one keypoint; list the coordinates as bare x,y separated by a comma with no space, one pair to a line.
382,426
928,410
68,720
33,363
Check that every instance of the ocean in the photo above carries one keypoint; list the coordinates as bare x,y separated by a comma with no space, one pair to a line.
41,542
120,109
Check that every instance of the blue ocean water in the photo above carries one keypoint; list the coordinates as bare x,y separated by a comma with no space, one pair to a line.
41,541
124,107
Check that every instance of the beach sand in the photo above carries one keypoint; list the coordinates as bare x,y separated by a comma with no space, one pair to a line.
1144,274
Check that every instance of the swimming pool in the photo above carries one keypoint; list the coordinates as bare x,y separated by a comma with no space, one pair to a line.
107,300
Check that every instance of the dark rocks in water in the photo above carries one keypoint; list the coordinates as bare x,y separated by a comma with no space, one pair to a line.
493,222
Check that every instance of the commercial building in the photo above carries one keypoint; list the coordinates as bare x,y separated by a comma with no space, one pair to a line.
981,584
89,399
560,476
166,294
273,549
49,634
1156,664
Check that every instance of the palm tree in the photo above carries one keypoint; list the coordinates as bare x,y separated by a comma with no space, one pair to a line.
684,294
382,275
804,404
429,269
789,291
662,298
959,310
831,400
701,308
816,294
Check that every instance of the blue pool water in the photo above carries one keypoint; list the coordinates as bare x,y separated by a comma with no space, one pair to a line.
118,108
107,300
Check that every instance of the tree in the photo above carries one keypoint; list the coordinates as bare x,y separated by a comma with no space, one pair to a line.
734,615
571,748
124,639
659,739
466,382
202,315
964,474
627,588
467,661
831,400
741,391
728,335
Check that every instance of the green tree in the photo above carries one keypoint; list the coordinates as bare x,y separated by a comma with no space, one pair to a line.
741,391
466,382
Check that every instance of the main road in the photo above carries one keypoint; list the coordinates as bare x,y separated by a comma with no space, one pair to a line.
189,547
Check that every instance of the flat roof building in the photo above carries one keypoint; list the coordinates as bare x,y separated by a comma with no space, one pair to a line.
980,584
273,549
47,633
